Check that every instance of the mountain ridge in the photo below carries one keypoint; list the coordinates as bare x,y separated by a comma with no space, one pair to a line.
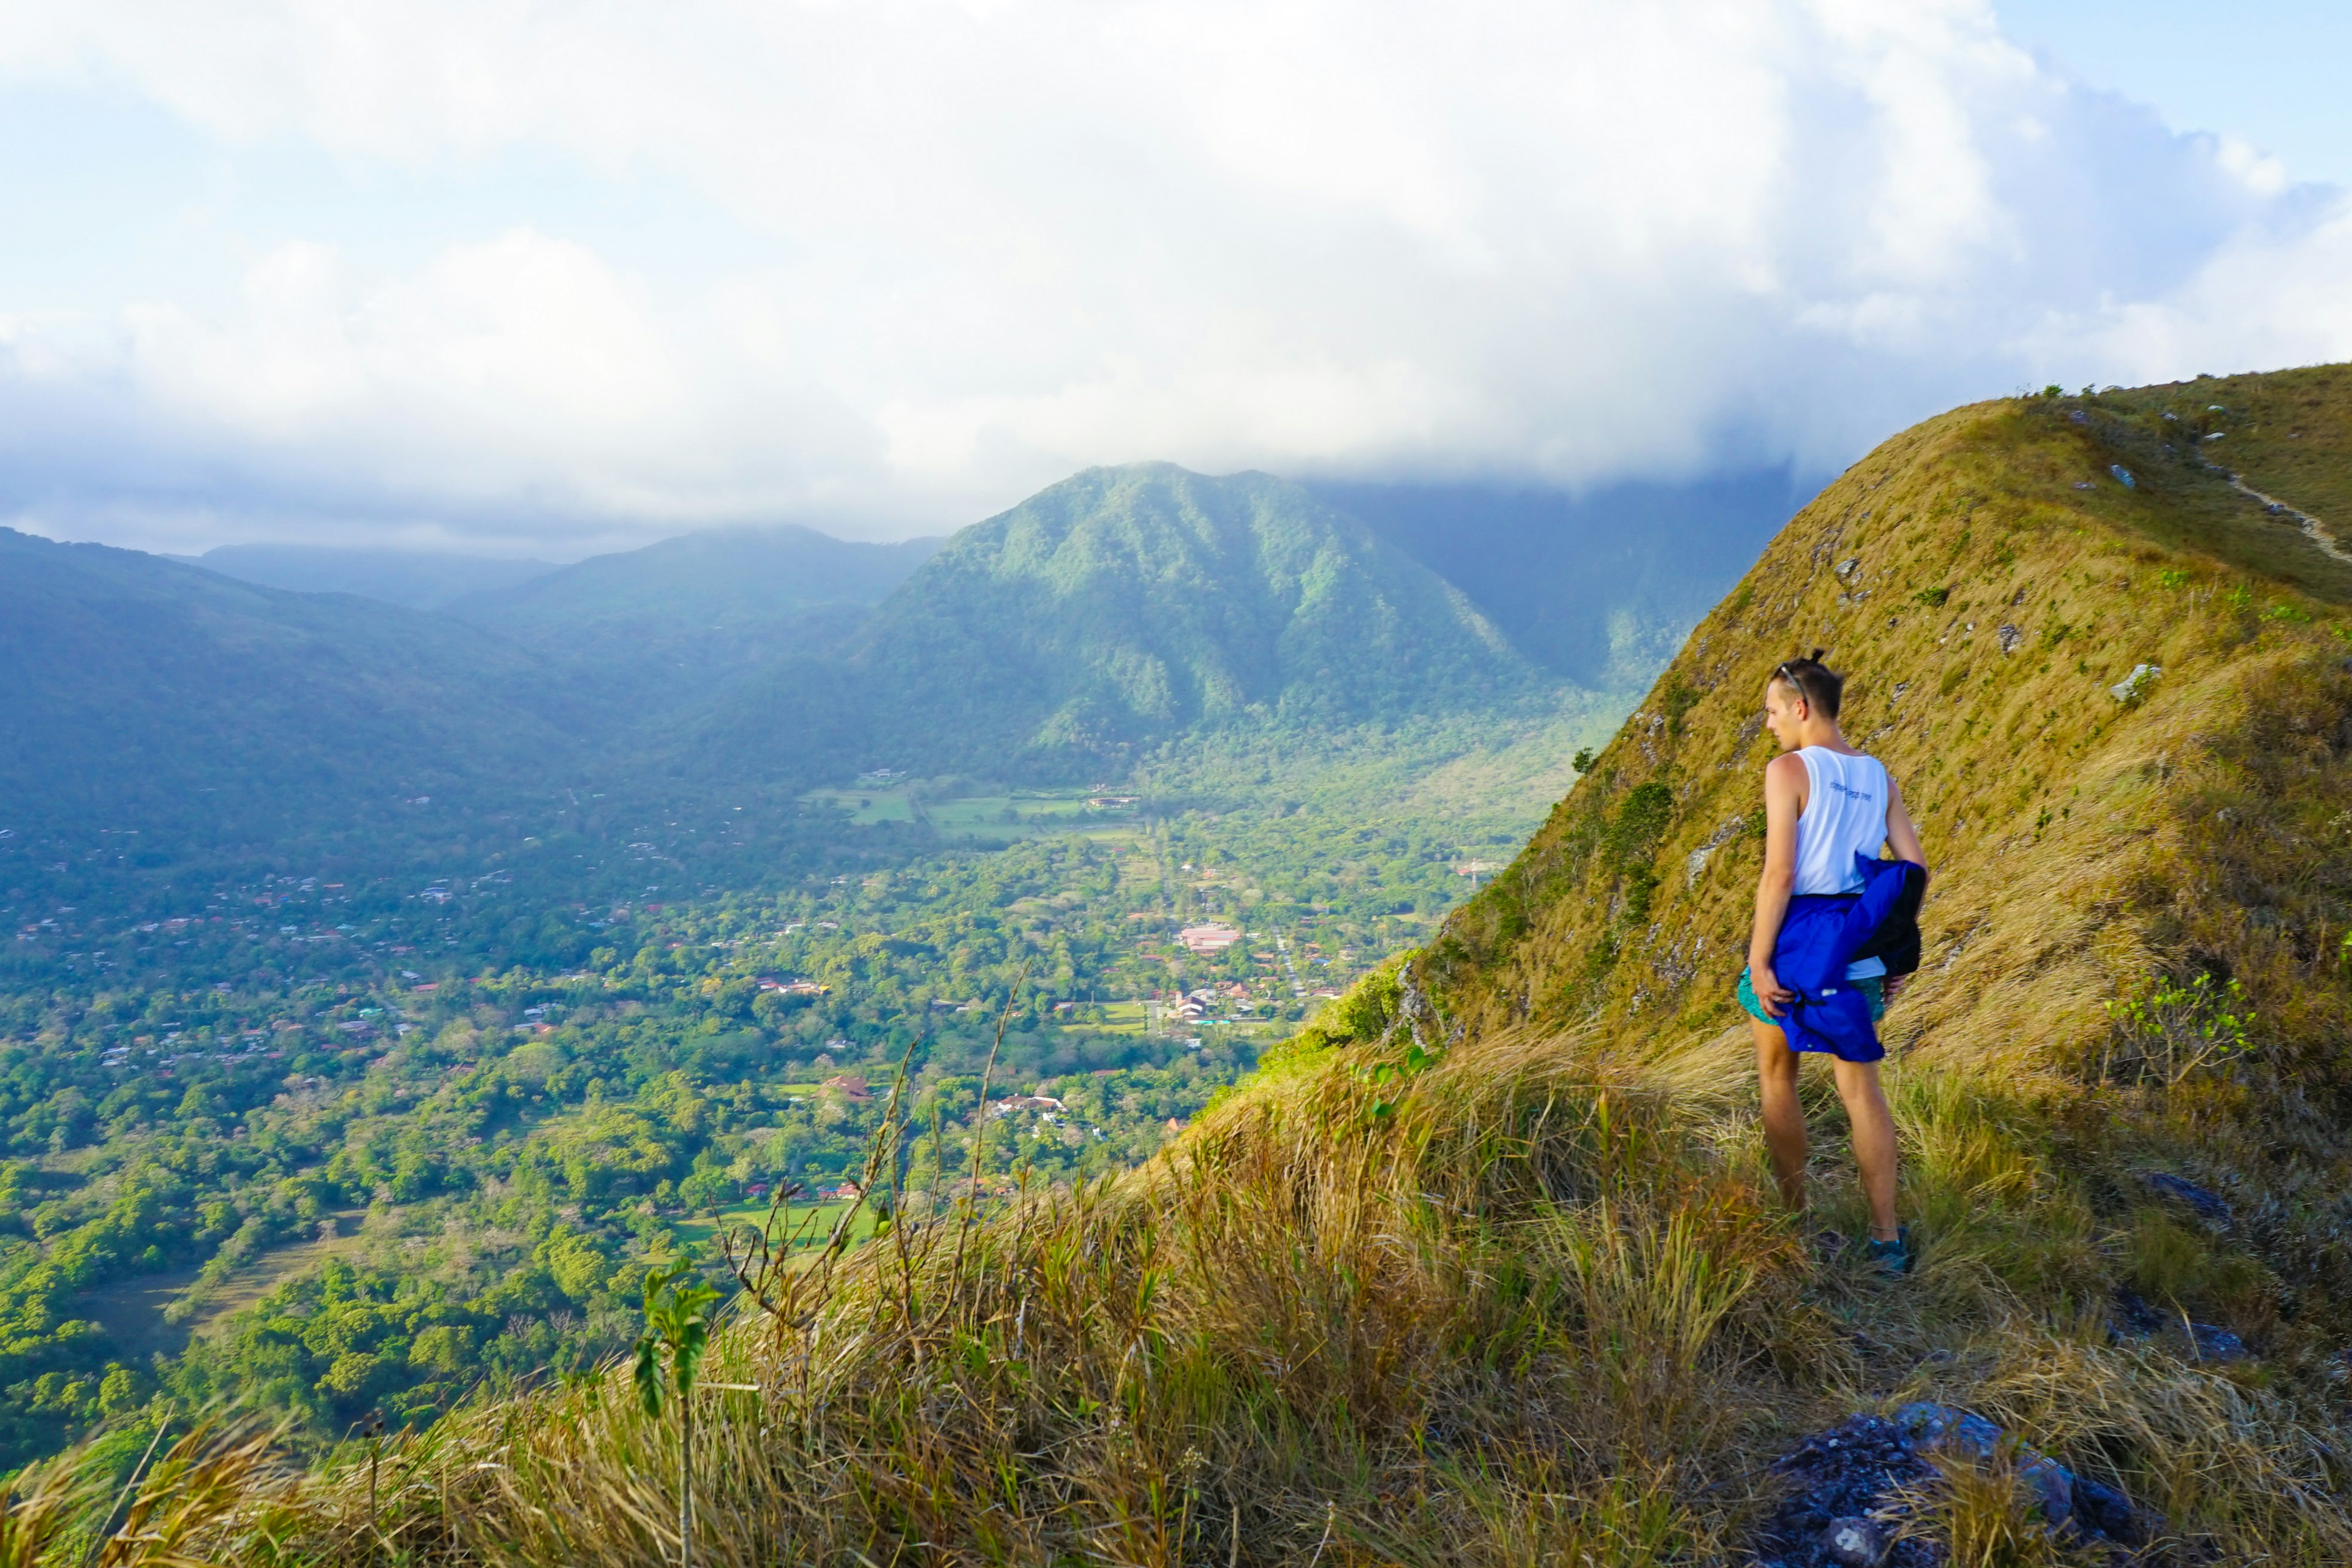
414,580
712,605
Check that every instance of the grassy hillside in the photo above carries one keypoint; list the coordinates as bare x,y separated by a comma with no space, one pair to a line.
1125,606
1487,1269
1987,582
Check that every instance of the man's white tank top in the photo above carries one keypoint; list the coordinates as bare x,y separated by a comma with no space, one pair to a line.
1845,816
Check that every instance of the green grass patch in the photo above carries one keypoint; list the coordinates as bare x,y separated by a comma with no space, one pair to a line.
867,807
1009,815
1118,1018
700,1235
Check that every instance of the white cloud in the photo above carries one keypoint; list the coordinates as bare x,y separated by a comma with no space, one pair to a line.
999,240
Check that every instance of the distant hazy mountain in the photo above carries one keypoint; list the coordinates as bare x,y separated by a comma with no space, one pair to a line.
1601,587
715,603
1126,605
420,580
142,693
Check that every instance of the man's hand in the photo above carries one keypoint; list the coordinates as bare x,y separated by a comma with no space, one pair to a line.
1769,989
1891,986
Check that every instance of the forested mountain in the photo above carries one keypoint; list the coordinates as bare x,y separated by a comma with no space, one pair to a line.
1123,608
145,694
1120,610
704,606
415,579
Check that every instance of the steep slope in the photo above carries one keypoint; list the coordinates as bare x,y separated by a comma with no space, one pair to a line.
1125,606
416,580
1989,581
1600,587
149,695
707,606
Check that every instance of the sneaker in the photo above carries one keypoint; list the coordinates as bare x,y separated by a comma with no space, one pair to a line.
1891,1259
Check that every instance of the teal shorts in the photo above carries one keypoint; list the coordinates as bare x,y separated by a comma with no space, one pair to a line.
1873,986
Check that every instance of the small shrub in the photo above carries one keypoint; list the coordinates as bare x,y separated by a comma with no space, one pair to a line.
1680,699
1640,821
1640,888
1932,598
2166,1030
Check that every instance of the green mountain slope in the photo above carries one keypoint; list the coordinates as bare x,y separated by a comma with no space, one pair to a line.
1492,1270
1123,608
713,605
149,695
1600,587
417,580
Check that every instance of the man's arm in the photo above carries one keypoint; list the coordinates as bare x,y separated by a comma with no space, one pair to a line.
1784,800
1901,836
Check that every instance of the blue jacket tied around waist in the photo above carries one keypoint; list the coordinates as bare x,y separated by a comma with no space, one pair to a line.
1823,933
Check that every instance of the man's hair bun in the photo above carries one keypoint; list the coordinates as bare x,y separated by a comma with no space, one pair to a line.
1822,687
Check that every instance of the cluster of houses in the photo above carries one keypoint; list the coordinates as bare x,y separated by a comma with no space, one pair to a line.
1013,1102
792,987
844,1191
1211,936
1211,1001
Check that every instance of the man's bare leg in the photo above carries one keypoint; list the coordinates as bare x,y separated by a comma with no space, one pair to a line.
1873,1142
1784,1118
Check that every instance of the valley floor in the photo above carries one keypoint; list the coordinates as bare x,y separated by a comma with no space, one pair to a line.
502,1138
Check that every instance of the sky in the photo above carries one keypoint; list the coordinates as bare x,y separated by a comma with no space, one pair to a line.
515,277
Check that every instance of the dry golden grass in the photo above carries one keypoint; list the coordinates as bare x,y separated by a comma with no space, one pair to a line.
1533,1303
1541,1313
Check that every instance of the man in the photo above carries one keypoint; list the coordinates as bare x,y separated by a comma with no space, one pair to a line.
1825,803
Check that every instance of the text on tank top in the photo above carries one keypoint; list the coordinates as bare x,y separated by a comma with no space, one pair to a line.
1845,816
